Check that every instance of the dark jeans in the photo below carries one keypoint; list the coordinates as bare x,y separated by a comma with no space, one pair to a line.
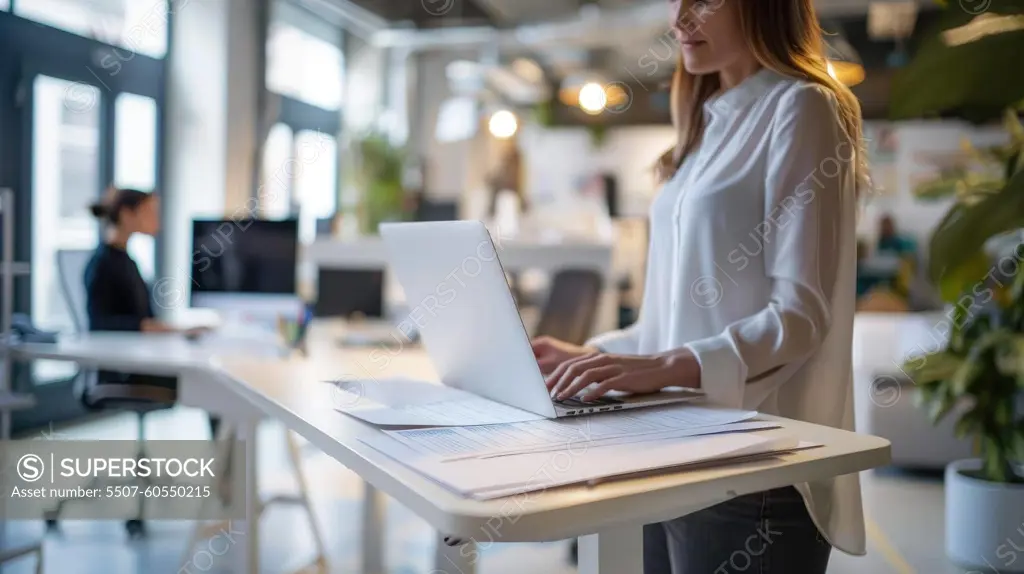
763,533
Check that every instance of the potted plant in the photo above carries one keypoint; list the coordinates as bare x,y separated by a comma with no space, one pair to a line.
980,373
378,175
961,70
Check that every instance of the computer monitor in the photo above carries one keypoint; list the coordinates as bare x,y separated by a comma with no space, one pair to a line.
245,264
435,210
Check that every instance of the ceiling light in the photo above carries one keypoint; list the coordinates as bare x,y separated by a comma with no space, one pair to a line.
592,98
503,124
572,85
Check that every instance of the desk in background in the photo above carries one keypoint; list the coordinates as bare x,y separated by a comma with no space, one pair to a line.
370,254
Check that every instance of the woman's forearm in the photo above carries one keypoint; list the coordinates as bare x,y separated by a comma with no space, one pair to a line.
684,366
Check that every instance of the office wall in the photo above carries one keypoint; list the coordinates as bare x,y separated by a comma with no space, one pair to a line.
556,160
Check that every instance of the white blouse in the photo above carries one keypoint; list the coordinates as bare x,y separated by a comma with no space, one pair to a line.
751,266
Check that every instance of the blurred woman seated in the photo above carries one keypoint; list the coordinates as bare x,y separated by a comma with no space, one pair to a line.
118,298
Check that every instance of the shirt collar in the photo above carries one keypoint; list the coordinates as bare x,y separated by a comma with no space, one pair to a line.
741,95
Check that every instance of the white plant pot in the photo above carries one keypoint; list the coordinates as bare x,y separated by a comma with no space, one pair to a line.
984,522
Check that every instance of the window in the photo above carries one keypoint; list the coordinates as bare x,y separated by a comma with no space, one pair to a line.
138,25
135,163
316,189
65,181
5,4
300,176
304,66
275,196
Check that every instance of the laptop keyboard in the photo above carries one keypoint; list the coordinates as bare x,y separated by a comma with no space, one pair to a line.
575,402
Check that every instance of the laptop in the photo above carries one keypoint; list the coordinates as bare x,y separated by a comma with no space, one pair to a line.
458,296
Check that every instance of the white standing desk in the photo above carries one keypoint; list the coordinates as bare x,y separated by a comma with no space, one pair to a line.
608,517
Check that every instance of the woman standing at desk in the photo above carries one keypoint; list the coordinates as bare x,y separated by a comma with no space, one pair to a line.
118,298
751,276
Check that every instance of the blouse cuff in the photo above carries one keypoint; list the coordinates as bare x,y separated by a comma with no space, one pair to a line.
723,374
619,342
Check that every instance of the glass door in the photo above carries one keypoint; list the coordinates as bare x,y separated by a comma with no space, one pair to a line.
66,134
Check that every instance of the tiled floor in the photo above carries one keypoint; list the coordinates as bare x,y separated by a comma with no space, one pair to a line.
905,527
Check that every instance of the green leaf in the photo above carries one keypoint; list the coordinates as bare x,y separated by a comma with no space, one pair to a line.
939,408
927,370
994,463
967,425
1013,126
941,187
1018,442
964,277
965,229
966,187
1004,414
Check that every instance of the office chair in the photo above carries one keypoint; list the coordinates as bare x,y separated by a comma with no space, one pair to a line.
139,399
571,306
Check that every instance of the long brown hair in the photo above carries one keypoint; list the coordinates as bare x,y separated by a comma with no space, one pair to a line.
785,37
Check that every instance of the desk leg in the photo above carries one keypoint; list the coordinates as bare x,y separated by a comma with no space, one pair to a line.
249,547
613,551
454,559
373,530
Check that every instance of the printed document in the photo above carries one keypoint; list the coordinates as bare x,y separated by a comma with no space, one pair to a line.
548,434
408,402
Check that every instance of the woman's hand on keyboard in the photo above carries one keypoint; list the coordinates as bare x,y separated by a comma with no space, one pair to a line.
551,352
629,373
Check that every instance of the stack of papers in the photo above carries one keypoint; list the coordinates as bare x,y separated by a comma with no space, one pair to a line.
495,460
483,449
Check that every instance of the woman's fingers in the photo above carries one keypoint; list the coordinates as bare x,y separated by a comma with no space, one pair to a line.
620,382
563,365
548,363
567,372
589,377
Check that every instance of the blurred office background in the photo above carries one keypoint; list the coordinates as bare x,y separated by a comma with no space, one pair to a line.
543,118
